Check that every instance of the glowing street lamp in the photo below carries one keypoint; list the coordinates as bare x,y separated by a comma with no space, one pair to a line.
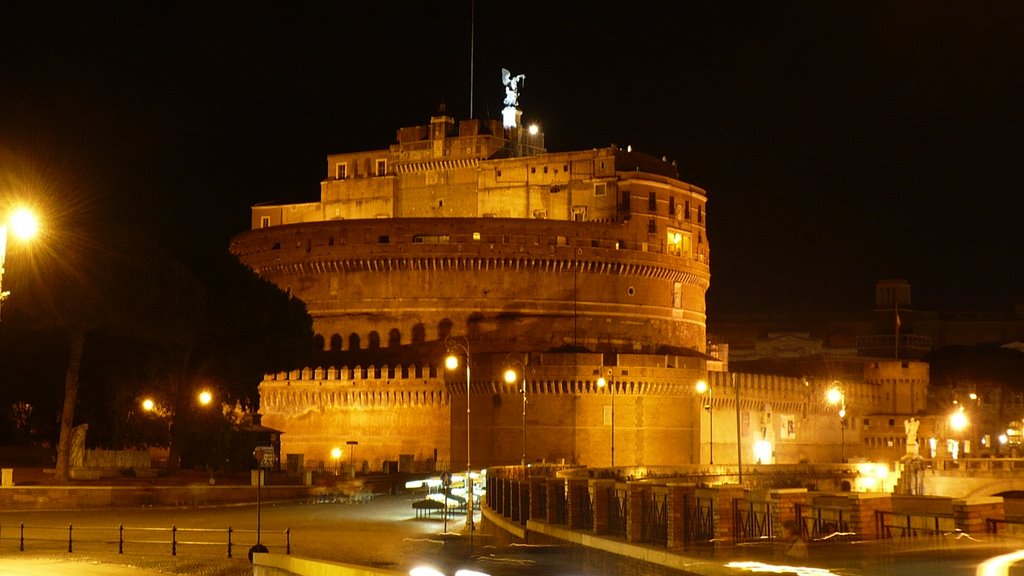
205,397
451,362
837,397
601,383
24,225
703,387
510,378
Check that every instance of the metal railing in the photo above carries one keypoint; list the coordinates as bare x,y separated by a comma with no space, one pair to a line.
142,539
752,521
901,525
700,519
654,514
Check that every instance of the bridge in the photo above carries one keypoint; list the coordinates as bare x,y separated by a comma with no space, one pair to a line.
972,477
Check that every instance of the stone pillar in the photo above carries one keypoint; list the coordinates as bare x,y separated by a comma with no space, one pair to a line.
723,497
863,511
603,490
578,492
512,498
538,506
677,497
784,502
635,511
969,514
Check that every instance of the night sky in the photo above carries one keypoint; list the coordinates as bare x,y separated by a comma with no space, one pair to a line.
840,142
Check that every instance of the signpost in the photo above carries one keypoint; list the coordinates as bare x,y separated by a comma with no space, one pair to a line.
265,458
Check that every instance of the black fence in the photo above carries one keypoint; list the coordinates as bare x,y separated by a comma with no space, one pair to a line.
130,539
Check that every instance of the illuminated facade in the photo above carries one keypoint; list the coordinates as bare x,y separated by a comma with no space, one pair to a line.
576,265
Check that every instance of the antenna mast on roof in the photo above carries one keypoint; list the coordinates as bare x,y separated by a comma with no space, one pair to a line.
472,44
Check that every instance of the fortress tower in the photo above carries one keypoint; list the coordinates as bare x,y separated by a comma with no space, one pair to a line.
576,262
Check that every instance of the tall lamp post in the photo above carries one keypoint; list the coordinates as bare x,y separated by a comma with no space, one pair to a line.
703,387
510,377
610,382
24,225
837,397
451,362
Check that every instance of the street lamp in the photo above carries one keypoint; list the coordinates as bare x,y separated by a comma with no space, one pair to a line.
451,362
23,224
601,383
958,421
703,387
837,397
510,378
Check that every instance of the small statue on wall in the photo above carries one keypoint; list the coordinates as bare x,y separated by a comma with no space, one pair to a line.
910,427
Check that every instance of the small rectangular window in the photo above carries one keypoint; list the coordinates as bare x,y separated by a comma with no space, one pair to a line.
383,240
533,169
382,167
652,202
671,205
600,189
341,171
545,169
700,214
497,173
686,210
540,214
476,235
265,222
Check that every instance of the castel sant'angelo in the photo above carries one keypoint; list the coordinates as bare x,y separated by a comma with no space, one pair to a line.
585,271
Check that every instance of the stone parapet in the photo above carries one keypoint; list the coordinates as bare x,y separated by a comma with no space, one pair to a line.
970,514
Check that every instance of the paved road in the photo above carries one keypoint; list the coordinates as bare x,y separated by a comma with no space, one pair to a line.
385,533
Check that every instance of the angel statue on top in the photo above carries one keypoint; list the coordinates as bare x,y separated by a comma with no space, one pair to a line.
511,86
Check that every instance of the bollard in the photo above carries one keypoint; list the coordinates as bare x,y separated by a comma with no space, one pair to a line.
288,541
21,546
174,540
69,538
229,541
120,538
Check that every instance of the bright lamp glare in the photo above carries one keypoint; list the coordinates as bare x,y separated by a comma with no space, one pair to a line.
425,571
701,386
510,376
205,397
148,405
834,395
24,224
451,362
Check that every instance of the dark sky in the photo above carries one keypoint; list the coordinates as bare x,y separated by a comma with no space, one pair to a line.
839,142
